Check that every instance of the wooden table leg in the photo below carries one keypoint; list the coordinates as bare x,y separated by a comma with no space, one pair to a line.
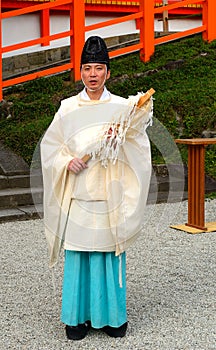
196,186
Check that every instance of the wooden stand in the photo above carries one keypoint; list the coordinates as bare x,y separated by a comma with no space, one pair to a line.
196,186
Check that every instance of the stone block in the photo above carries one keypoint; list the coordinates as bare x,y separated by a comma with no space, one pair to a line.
20,62
36,58
53,55
128,37
65,52
112,41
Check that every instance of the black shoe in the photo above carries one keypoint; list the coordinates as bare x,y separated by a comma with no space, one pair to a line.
77,332
116,331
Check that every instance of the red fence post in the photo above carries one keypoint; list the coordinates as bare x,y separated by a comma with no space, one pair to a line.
147,30
77,39
1,76
45,25
209,11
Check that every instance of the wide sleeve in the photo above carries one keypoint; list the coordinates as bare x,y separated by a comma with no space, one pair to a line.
55,156
128,181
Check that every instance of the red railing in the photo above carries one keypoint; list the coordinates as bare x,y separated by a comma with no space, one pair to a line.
144,18
108,5
76,11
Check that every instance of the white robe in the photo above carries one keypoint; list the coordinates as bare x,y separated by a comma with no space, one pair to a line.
101,208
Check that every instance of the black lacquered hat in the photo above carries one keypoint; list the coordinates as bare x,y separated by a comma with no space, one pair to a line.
95,51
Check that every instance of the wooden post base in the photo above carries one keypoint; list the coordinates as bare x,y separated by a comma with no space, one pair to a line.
210,227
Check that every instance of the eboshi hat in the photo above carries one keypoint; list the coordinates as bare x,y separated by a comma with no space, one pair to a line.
95,51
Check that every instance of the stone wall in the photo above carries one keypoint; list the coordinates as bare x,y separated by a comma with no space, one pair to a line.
21,64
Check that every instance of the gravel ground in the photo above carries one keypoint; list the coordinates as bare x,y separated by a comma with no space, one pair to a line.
170,284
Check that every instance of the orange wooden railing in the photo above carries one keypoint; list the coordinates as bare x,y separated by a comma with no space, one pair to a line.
98,5
77,18
144,18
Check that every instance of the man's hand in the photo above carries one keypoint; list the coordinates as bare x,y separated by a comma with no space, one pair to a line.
76,165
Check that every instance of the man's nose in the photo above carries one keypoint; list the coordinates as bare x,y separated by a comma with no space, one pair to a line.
93,72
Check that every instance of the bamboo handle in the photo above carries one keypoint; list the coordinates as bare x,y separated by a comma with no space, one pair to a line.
145,97
86,158
140,103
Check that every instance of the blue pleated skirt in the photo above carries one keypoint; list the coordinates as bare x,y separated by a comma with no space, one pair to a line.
91,289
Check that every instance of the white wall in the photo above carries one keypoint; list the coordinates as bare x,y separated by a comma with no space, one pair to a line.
27,27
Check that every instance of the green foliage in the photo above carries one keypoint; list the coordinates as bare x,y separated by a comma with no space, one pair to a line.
210,161
211,195
184,100
23,137
43,86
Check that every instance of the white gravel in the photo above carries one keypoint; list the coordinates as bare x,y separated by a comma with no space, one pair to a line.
170,285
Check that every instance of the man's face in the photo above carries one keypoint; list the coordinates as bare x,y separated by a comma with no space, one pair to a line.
94,75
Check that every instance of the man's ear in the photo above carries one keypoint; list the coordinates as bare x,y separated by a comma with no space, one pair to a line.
108,74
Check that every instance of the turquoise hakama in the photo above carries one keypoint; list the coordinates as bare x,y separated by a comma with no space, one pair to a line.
91,289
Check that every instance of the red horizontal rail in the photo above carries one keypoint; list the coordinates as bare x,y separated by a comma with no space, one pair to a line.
126,50
34,8
160,9
179,35
159,3
34,42
36,75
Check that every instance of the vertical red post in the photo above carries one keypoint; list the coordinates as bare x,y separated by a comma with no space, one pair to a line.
45,25
209,11
147,29
1,77
77,39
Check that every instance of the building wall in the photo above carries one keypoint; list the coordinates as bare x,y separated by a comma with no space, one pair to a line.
28,28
